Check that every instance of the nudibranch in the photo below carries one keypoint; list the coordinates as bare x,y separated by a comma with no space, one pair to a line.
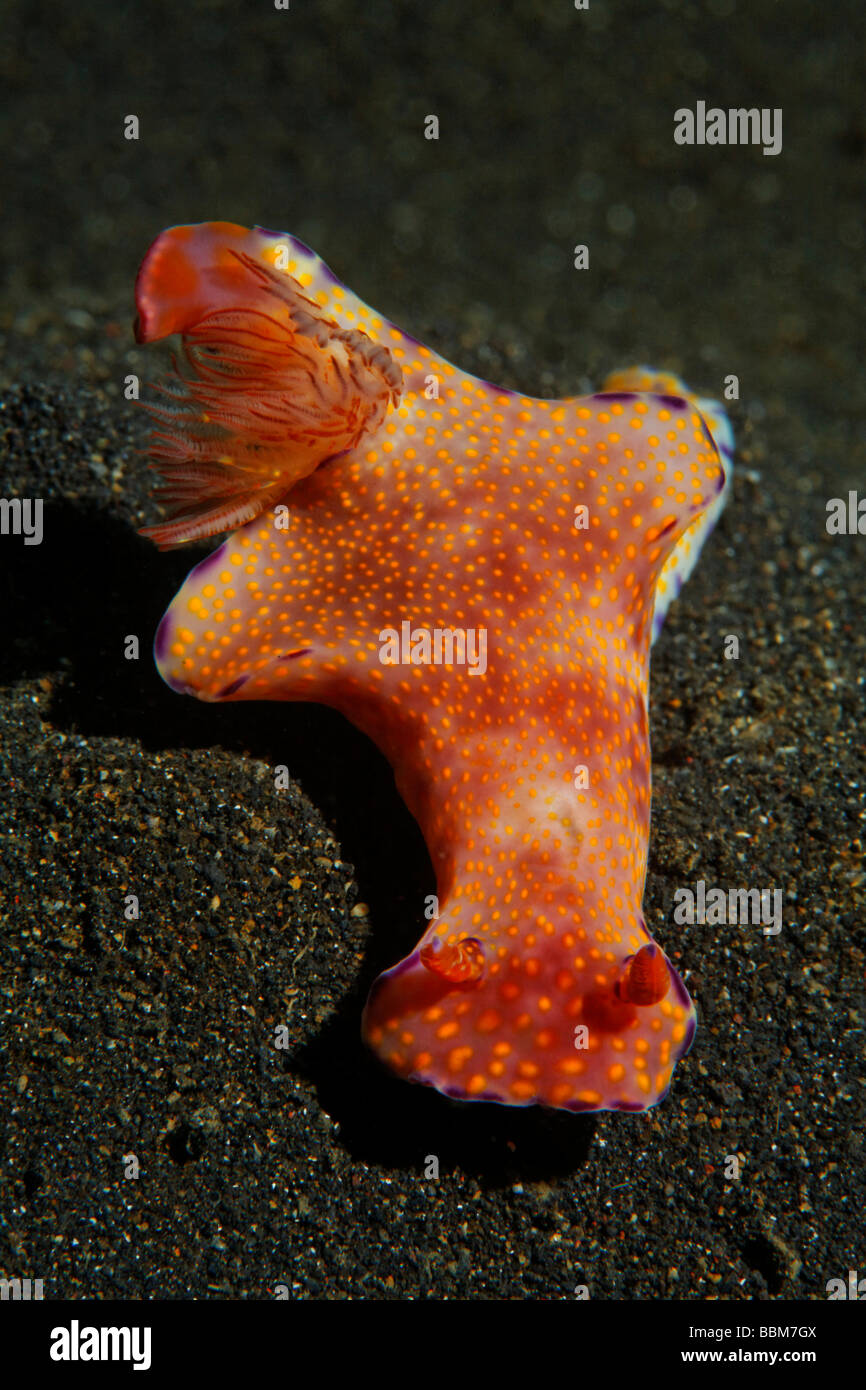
388,512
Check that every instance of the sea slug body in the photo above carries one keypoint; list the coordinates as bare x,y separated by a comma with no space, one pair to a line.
370,485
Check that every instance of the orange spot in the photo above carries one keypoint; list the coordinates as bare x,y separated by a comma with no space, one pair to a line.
522,1090
447,1030
458,1057
571,1066
589,1097
488,1021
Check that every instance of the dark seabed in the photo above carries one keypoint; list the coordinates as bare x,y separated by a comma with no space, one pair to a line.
154,1038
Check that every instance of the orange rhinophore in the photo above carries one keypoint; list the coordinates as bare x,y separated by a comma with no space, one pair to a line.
459,962
645,977
382,493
